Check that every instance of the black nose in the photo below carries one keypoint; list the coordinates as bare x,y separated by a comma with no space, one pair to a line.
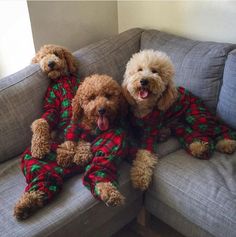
102,111
144,82
51,64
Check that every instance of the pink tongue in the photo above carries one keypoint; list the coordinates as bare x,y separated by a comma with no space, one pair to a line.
103,123
143,93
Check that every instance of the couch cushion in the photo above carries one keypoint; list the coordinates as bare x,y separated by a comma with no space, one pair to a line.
204,192
74,207
226,107
21,103
109,56
199,65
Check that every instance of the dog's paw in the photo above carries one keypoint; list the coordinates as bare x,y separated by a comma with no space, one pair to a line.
28,203
199,149
227,146
65,153
142,169
109,194
83,153
40,140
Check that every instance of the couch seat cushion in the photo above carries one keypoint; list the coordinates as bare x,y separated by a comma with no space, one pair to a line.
204,192
199,65
74,207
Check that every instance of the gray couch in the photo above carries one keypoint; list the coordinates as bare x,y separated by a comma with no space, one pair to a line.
197,198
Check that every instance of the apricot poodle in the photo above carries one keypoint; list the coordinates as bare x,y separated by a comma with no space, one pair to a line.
154,100
61,67
94,136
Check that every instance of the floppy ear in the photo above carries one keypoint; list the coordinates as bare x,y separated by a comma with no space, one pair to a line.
71,62
76,108
127,95
168,97
36,58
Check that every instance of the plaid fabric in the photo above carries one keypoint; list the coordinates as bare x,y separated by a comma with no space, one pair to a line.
57,102
109,148
195,122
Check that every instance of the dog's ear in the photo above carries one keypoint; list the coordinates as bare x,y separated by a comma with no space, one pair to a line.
127,95
71,62
168,97
77,111
37,57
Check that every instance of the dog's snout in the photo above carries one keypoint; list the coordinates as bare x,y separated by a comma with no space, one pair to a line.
144,82
102,111
51,64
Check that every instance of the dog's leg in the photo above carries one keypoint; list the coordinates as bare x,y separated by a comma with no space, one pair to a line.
227,146
142,169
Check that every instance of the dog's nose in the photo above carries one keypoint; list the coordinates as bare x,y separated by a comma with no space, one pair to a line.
102,111
144,82
51,64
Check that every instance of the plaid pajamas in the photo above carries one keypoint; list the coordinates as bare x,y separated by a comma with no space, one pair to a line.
109,149
195,123
46,175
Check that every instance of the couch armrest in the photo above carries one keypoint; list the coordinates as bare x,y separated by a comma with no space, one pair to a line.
109,56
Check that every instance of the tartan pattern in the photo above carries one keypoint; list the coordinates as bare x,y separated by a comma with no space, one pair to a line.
57,102
195,123
109,149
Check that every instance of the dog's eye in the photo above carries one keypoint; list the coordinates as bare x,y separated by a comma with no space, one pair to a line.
56,54
92,97
108,96
154,70
140,69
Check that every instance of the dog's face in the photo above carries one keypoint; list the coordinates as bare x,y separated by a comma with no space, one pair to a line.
55,61
98,101
148,76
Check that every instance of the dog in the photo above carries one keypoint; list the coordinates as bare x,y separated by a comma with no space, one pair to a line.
94,137
61,67
155,101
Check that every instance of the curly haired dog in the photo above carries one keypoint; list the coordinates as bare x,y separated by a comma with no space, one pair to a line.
61,67
155,102
94,138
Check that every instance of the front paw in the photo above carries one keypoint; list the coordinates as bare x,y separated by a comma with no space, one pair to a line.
65,154
40,140
83,153
142,169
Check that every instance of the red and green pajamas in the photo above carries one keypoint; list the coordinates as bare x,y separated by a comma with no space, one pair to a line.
46,174
109,149
192,122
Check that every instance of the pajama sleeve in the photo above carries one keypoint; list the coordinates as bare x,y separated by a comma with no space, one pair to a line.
52,106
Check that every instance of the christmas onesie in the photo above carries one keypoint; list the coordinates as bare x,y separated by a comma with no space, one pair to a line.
194,123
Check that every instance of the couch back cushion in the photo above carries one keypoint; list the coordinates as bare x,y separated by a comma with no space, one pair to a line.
21,97
109,56
226,107
198,65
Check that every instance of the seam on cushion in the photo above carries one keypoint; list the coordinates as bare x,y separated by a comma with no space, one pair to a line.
24,78
204,197
166,204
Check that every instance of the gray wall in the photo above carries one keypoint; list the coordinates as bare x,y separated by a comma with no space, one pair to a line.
72,24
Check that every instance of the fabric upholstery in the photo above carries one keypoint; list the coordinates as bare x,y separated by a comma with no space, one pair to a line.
203,192
198,65
109,56
21,103
75,204
226,107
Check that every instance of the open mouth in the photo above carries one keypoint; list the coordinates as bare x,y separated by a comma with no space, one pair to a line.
103,123
144,93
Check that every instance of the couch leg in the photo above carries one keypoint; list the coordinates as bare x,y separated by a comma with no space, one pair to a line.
143,217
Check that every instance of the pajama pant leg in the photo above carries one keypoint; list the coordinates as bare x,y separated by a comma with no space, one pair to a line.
45,175
109,150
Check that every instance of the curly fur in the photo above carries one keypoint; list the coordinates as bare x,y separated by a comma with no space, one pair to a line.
142,169
109,194
29,202
64,63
